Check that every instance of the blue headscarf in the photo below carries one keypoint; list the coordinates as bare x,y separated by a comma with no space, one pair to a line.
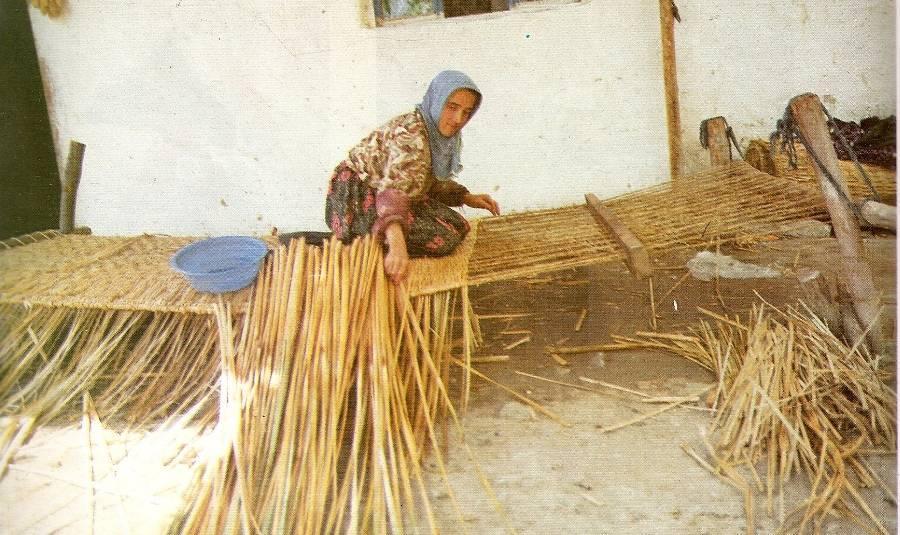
445,151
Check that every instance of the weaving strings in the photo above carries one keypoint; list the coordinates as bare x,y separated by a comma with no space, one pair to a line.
721,204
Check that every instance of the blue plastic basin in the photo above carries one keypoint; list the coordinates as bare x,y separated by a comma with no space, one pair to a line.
222,264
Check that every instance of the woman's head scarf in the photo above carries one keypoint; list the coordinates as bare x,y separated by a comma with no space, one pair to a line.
445,151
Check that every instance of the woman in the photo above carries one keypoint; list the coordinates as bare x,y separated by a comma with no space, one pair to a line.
399,182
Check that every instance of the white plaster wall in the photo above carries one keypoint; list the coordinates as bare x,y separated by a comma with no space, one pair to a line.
568,91
745,60
205,117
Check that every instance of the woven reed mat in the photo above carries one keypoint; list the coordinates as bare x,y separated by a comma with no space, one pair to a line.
432,275
133,273
884,179
84,271
721,204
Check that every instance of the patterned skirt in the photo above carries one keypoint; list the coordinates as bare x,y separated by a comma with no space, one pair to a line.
432,228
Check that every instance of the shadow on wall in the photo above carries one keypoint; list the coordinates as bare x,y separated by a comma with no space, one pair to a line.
29,177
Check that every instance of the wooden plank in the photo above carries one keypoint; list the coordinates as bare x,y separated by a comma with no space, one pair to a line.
879,215
717,141
635,253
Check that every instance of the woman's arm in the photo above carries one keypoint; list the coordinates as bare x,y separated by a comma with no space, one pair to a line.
396,261
483,201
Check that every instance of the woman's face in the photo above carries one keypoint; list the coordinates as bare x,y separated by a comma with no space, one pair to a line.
457,111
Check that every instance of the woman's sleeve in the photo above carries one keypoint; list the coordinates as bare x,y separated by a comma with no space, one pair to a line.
394,161
395,156
391,206
448,192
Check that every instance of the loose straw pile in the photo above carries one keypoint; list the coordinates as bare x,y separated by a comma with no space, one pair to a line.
795,397
885,180
332,394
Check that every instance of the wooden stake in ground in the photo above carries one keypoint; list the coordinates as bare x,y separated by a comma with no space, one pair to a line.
807,113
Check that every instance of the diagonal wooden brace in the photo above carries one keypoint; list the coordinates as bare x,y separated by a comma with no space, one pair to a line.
806,112
635,253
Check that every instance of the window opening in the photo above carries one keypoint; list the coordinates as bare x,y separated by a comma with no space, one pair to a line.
389,10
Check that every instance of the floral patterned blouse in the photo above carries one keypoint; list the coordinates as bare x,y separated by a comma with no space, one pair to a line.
397,156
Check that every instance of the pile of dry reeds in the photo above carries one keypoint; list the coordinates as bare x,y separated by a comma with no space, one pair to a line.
325,384
793,397
334,387
760,155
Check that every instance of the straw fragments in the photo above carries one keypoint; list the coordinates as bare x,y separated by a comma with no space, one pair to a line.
795,398
333,392
140,368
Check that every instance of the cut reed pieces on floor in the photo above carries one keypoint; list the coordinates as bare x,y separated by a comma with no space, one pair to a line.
795,399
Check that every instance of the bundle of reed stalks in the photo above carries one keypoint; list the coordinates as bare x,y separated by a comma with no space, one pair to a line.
334,388
793,397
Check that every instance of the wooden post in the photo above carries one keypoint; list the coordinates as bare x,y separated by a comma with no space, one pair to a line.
717,141
806,111
70,187
635,253
670,79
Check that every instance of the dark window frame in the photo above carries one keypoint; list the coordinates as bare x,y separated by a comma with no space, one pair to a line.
439,11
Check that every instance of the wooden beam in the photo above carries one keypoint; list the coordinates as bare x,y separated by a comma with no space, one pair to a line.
670,79
717,141
879,215
635,253
809,117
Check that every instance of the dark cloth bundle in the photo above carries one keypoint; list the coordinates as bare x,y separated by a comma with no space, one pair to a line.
874,140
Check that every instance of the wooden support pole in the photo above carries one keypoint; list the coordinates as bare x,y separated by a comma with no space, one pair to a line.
635,253
879,215
670,79
807,113
70,187
717,141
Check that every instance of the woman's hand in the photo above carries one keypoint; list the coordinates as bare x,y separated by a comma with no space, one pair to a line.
483,201
396,261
